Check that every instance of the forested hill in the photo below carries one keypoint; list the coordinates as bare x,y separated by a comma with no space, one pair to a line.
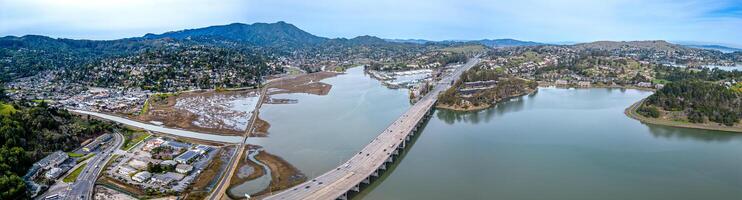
279,34
28,132
697,96
28,55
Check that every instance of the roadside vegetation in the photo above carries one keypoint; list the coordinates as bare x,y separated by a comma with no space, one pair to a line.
73,176
133,137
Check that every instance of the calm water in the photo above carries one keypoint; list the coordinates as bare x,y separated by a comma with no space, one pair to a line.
564,144
556,144
321,132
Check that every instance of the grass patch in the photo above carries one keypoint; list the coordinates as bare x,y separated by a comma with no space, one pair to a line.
132,137
6,109
737,87
73,176
41,100
86,157
145,107
660,81
74,155
466,49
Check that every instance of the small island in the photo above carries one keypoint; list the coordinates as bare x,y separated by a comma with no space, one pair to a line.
481,88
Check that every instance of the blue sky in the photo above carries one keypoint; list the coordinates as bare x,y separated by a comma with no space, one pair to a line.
718,21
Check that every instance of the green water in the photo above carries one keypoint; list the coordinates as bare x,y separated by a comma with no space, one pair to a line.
556,144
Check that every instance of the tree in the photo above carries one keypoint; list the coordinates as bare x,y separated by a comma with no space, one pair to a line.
649,111
12,187
3,96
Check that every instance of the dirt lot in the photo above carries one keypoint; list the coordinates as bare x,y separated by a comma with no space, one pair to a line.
304,83
220,112
102,192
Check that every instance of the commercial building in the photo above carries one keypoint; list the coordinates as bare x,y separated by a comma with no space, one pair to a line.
183,168
141,176
187,157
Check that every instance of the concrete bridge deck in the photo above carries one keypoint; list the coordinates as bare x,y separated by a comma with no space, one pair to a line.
374,158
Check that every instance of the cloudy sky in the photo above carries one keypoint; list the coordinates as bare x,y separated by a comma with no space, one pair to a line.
718,21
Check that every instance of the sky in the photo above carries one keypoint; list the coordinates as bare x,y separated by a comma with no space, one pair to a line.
717,22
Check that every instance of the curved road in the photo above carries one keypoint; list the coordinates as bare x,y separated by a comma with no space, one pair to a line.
83,187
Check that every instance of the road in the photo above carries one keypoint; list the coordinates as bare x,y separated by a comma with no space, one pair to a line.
221,187
346,177
83,187
177,132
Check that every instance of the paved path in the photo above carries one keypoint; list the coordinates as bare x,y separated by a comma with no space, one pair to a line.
337,182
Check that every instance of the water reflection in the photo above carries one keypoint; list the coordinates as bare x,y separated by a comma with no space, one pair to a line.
659,131
486,115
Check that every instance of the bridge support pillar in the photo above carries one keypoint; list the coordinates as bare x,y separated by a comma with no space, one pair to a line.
390,159
356,188
367,180
396,151
343,197
376,173
383,166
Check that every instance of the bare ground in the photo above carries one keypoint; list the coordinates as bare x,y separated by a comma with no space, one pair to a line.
284,174
303,83
164,110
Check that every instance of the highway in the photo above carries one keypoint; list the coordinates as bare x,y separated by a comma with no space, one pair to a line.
162,129
83,187
365,164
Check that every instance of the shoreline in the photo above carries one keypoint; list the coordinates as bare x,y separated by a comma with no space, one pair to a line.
631,113
481,107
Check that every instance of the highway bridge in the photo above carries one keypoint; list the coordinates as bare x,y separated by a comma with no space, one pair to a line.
373,159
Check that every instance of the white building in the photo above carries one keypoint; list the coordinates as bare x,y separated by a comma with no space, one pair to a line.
54,173
126,171
183,168
141,176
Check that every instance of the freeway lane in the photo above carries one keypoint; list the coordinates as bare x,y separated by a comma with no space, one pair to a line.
83,187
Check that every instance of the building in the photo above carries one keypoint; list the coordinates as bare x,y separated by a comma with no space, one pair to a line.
583,84
177,145
126,171
168,163
187,157
48,162
141,176
183,168
644,84
138,164
153,143
202,149
54,173
97,142
561,82
166,178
